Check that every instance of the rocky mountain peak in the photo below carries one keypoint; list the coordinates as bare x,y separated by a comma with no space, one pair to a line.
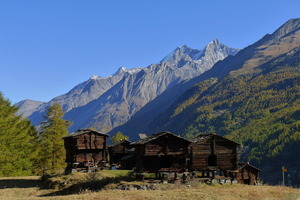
215,42
215,46
120,70
177,54
182,48
95,77
188,54
290,26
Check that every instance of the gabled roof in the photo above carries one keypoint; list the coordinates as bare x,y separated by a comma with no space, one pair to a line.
84,131
242,165
155,136
203,137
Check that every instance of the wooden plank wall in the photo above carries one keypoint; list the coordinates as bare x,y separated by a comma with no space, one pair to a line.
224,151
226,154
121,148
85,147
90,141
165,153
165,145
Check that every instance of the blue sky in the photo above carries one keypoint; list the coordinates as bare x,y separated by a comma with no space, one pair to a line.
47,47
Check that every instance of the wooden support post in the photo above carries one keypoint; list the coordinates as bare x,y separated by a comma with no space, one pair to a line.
143,177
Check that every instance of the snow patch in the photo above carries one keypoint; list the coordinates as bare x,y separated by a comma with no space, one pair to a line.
130,71
95,77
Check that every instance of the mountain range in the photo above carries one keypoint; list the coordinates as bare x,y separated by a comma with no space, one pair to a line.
105,103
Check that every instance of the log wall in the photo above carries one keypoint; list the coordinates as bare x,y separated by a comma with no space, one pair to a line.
224,152
165,145
165,153
86,147
90,141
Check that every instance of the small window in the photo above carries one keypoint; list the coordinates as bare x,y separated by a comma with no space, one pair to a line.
212,160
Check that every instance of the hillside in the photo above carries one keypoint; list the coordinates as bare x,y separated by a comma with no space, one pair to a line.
252,98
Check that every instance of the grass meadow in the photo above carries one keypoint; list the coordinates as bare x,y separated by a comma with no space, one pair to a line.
32,187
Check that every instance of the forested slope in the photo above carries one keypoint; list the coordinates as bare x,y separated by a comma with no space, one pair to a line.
234,103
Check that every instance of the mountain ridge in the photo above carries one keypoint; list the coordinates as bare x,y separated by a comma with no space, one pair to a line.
114,94
232,65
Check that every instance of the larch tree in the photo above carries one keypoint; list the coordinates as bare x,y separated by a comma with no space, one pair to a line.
118,137
52,154
17,141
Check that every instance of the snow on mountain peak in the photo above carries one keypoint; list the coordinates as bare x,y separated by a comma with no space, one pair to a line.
130,71
134,70
95,77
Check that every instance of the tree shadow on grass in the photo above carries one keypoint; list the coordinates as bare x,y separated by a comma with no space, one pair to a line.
94,185
21,183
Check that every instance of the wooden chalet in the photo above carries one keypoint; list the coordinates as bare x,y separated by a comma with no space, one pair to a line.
122,155
161,152
85,148
212,153
246,174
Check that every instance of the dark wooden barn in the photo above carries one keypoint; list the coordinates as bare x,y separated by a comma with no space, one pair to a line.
211,153
161,152
85,148
246,174
122,155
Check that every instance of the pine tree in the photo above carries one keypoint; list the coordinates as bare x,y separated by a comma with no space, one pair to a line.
51,156
17,141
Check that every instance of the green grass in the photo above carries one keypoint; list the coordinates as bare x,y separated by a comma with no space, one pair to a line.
114,173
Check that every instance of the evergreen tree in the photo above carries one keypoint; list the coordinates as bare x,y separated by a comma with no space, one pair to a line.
17,141
51,156
118,137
